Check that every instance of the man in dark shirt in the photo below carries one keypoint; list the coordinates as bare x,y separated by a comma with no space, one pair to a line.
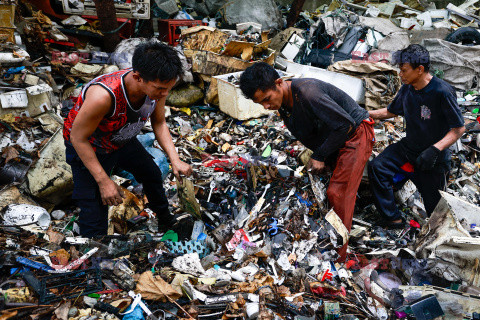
433,123
326,120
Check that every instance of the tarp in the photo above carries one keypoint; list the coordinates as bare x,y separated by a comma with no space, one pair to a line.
335,26
264,12
460,64
395,37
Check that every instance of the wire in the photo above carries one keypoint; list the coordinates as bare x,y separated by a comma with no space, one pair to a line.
116,30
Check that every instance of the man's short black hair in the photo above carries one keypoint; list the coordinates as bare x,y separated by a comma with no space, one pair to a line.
415,55
155,60
261,76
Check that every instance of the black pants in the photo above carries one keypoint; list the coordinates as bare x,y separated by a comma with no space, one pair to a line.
133,157
383,168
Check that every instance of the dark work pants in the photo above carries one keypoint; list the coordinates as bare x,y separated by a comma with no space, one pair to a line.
383,168
133,157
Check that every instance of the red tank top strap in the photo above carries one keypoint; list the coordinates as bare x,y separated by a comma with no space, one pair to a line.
101,138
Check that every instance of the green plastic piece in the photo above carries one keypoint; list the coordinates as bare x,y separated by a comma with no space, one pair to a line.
267,152
170,235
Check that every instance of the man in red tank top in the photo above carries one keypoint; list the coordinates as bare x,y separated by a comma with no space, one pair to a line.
100,134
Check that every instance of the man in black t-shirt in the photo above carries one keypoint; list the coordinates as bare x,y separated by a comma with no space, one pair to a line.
433,123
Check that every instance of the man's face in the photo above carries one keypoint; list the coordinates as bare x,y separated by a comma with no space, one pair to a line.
271,99
157,90
410,75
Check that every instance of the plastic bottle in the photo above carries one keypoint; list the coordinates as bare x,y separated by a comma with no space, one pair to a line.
198,228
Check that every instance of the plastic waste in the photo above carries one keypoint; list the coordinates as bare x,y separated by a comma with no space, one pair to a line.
26,214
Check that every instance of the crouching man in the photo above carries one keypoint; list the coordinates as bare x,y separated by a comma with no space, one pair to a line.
100,134
326,120
433,123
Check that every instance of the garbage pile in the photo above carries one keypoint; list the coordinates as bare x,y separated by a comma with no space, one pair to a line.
258,241
255,237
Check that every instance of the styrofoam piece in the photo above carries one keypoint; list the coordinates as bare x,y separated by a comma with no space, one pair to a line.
372,12
18,39
406,192
407,23
14,99
338,225
74,20
39,89
438,14
253,308
25,214
234,103
9,58
373,37
426,18
350,85
256,27
453,7
25,143
443,24
39,99
292,47
465,5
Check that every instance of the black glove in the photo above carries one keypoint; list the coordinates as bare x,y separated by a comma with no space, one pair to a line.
427,159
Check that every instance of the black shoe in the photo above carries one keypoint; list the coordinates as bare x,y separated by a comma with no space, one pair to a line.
165,222
184,226
172,222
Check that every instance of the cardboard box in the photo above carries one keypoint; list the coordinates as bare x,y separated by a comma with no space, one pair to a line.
7,35
213,64
7,15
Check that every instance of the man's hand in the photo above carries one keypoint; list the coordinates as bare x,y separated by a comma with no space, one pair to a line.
427,159
110,192
315,166
180,169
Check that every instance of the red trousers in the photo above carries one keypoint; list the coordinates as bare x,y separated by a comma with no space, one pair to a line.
351,161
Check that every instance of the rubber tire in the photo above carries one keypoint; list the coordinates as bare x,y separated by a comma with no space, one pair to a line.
467,36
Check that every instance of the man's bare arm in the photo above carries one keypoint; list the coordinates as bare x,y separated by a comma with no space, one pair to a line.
162,134
453,135
381,114
97,104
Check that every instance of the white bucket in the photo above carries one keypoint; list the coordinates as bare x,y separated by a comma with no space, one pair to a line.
253,308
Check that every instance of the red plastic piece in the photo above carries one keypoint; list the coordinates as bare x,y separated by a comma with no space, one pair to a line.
407,167
327,275
170,29
414,224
